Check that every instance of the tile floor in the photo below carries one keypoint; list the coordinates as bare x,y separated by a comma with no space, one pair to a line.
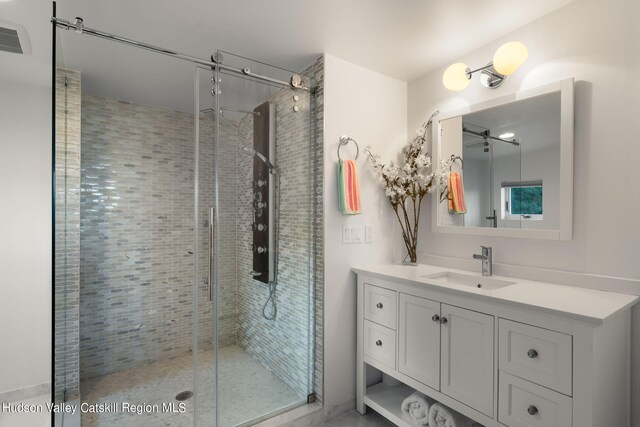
353,419
243,397
35,419
248,391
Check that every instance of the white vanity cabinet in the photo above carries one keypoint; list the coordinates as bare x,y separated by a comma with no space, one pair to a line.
466,356
447,348
498,361
419,340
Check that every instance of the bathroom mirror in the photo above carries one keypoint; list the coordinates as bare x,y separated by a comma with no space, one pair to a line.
514,157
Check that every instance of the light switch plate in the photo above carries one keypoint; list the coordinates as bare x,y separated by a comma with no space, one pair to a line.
358,234
368,233
346,234
352,234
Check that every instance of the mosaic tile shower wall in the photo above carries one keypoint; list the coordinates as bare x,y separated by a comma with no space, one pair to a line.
137,247
281,345
67,237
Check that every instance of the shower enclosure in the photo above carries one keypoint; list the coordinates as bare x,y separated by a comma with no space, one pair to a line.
488,162
184,236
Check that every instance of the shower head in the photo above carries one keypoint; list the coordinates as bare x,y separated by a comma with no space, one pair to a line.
272,168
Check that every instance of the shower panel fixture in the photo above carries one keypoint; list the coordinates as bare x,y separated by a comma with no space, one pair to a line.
266,205
264,172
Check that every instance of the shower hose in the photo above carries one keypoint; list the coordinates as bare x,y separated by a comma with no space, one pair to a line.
273,284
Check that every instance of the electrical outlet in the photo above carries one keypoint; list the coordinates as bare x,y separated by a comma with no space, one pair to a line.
368,233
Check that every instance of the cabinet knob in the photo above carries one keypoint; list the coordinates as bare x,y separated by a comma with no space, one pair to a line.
435,318
379,343
443,320
532,354
532,410
379,305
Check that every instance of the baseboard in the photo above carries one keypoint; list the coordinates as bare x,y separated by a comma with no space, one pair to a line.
24,393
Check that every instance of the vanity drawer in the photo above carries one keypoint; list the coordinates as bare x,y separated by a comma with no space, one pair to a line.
535,354
380,305
380,343
524,404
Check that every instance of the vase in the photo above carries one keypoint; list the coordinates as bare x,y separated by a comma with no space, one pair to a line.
412,256
408,220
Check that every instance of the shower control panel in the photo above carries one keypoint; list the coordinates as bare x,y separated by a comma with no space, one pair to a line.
263,194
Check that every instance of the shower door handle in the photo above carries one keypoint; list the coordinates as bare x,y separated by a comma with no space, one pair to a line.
212,239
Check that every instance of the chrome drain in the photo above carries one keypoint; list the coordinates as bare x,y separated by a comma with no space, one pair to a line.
184,395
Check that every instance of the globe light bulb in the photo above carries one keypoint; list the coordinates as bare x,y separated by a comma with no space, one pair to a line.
455,77
509,57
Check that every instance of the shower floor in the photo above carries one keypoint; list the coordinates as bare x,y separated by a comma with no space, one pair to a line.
247,391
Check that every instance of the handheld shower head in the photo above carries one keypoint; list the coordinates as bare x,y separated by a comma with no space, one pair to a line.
271,166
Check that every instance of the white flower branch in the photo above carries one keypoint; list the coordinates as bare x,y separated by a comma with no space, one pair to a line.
411,179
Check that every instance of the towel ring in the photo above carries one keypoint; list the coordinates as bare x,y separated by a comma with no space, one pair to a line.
453,160
344,140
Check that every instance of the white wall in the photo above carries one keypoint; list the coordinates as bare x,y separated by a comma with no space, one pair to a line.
372,109
600,46
25,235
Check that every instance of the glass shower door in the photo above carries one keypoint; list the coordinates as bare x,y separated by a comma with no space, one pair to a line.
254,346
206,264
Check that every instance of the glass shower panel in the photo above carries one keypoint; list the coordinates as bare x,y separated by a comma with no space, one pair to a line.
207,265
124,249
260,324
67,236
488,165
476,153
507,169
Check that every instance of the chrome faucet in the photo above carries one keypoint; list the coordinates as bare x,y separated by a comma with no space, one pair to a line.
487,261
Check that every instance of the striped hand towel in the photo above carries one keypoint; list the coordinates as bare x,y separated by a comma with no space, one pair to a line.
348,188
456,194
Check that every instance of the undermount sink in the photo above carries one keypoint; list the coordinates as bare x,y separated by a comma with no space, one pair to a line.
451,278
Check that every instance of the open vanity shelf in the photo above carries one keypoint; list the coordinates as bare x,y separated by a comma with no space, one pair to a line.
559,358
387,399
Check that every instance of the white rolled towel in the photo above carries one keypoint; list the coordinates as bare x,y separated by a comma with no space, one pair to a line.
416,408
442,416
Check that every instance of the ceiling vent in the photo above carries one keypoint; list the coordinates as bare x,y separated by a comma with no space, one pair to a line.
14,38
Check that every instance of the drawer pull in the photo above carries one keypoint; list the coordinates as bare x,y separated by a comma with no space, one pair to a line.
379,305
443,320
435,318
532,354
379,343
532,410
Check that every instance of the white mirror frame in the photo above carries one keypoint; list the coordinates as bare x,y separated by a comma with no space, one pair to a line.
565,231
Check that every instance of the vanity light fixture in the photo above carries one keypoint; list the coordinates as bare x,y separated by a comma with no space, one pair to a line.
507,59
506,135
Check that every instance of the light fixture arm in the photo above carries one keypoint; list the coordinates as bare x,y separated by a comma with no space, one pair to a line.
470,72
488,71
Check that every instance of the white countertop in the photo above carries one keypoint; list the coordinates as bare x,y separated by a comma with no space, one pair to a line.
589,305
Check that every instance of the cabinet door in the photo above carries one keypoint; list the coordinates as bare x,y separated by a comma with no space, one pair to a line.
419,340
467,357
